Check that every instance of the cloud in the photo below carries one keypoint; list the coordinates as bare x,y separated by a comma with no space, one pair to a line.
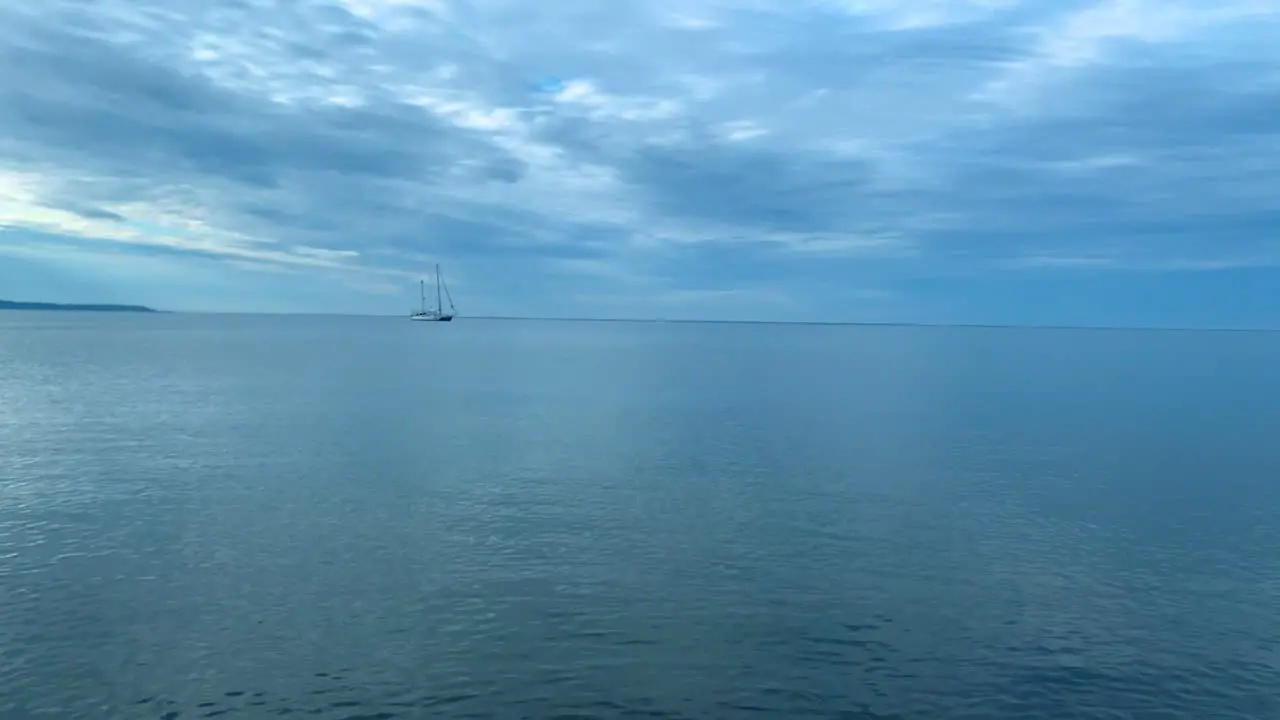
553,155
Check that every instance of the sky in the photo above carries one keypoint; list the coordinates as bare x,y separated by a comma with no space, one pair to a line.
1059,162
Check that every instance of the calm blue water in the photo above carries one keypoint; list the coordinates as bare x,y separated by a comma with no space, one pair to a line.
369,518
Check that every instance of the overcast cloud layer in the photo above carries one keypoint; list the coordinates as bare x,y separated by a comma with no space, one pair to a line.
919,160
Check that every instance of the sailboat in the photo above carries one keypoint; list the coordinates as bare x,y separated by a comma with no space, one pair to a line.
436,314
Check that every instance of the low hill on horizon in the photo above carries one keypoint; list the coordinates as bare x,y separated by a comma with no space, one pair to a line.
16,305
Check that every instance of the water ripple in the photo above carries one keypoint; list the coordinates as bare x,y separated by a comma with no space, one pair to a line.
263,519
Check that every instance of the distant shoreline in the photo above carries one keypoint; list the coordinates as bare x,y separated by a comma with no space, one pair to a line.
77,307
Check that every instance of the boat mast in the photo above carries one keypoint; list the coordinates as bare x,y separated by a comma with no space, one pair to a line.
422,290
439,305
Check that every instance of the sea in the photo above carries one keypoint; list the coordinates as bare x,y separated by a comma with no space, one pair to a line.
366,518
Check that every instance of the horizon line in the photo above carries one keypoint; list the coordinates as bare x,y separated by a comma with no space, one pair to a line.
115,308
713,321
